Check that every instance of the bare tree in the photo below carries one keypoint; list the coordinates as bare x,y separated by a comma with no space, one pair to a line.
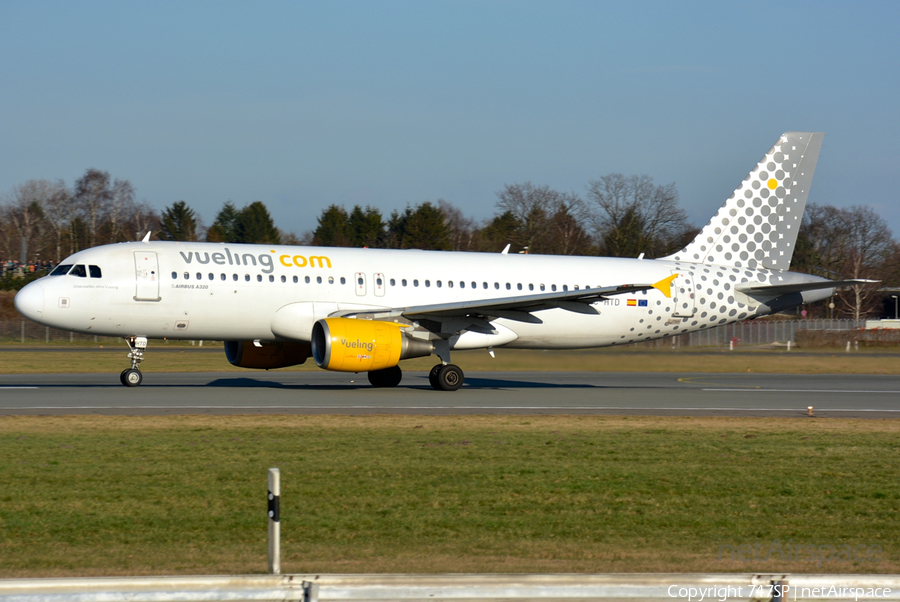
121,204
534,208
26,214
58,212
632,215
461,227
93,195
846,243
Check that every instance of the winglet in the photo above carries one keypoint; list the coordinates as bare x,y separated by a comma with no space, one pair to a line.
665,285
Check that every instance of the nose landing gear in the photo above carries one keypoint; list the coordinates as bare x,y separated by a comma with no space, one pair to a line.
132,377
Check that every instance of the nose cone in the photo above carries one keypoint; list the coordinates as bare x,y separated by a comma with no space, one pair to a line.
30,301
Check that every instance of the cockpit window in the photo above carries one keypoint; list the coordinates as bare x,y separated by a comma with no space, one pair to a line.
95,271
79,271
61,270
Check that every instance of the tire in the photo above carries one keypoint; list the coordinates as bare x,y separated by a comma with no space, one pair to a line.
132,377
122,377
450,377
433,377
389,377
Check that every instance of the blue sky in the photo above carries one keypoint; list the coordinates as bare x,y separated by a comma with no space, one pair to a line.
305,104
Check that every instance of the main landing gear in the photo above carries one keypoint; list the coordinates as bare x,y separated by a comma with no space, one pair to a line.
132,377
389,377
446,377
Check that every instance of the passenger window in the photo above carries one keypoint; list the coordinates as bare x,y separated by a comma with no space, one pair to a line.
553,287
450,283
259,277
199,276
187,276
519,286
79,271
359,281
61,270
174,275
306,280
438,284
531,287
284,278
331,280
485,284
343,280
318,279
211,276
223,277
296,280
234,277
247,277
428,283
403,282
508,286
393,282
416,282
565,287
497,286
542,287
378,281
474,285
462,284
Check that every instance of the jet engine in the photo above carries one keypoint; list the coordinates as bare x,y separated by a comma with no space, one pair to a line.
248,354
353,345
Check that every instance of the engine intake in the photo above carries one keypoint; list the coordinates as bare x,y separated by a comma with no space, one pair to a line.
246,354
352,345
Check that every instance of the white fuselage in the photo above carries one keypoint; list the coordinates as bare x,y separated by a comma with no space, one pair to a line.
275,292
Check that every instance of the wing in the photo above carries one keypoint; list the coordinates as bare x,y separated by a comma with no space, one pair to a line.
476,314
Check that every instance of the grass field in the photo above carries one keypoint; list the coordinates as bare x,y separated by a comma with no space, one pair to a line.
157,495
163,357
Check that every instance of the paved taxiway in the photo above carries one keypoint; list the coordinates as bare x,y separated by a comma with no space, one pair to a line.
484,393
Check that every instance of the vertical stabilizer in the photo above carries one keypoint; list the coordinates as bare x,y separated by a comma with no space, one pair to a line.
757,226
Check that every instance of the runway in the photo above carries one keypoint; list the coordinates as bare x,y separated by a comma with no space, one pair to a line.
662,394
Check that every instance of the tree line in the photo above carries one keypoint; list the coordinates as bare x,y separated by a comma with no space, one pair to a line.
617,216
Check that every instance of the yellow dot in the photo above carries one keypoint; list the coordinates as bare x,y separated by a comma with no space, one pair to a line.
773,184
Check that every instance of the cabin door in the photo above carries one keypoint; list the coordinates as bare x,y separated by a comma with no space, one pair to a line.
146,272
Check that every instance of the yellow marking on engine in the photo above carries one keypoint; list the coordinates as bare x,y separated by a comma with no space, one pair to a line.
665,285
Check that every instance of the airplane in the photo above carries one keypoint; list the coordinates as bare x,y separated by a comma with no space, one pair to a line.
366,310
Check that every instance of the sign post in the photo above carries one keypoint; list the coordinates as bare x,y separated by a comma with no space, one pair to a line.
274,521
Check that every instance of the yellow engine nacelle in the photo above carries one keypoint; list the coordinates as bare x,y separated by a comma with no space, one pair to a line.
352,345
246,354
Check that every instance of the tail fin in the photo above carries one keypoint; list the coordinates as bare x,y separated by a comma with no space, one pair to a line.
757,226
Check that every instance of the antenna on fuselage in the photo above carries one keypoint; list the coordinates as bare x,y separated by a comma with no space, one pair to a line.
147,237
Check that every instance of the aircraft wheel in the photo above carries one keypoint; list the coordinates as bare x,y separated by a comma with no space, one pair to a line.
450,377
131,377
389,377
122,377
432,376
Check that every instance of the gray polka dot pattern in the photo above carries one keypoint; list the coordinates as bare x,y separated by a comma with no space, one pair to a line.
757,226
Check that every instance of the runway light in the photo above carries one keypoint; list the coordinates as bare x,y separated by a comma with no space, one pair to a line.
809,411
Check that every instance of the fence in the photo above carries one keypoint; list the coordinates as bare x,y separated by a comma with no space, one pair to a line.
810,333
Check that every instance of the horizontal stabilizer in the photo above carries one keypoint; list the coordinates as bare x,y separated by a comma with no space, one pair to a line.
798,287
